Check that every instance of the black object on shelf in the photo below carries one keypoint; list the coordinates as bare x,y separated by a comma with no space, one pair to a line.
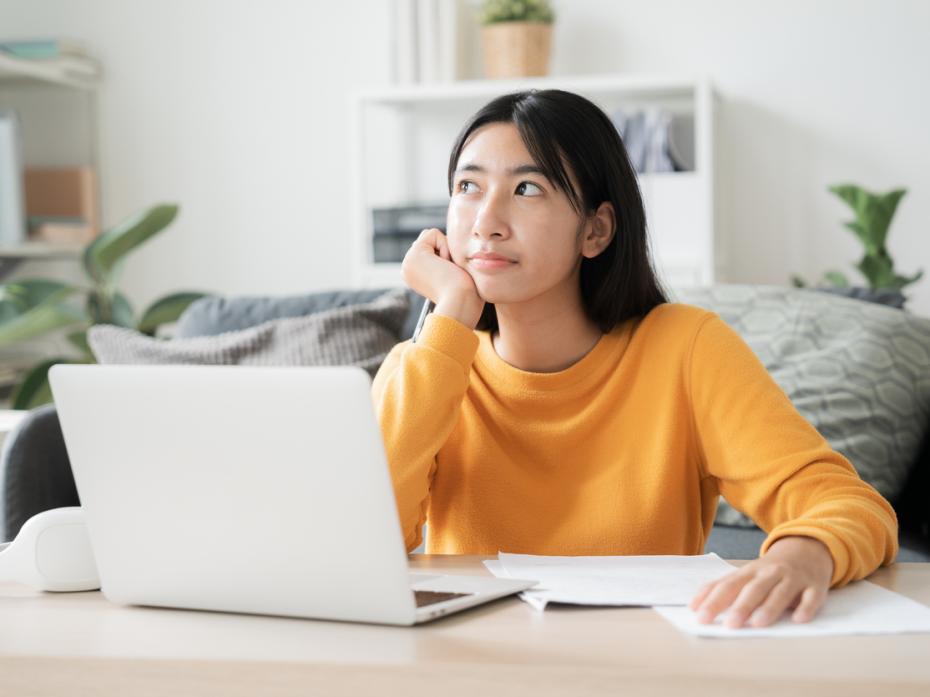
395,228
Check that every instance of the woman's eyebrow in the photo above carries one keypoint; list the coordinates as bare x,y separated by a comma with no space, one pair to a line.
511,171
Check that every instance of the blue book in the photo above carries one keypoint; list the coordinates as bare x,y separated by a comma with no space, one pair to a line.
41,48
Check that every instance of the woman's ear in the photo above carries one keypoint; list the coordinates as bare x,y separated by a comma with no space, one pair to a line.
599,230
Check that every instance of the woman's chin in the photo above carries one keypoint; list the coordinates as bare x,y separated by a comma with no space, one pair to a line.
499,290
496,296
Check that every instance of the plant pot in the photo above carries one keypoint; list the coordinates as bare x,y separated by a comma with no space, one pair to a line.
516,49
890,297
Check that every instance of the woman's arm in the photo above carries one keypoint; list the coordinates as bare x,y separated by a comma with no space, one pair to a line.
773,465
418,393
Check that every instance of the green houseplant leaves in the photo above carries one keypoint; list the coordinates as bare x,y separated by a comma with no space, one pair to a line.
873,215
33,307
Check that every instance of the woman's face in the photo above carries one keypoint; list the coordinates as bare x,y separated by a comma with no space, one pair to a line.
501,204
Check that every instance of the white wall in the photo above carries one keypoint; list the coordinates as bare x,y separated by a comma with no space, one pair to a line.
237,110
813,93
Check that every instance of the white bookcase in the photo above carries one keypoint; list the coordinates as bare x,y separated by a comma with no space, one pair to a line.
401,137
57,103
56,100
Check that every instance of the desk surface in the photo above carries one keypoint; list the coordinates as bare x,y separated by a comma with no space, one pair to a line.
78,643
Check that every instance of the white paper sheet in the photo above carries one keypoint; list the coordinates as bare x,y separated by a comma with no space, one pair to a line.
624,580
861,607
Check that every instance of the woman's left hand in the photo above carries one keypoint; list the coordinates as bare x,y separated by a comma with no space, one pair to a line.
794,573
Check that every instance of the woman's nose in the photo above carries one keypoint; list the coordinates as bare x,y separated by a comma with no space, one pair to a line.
492,220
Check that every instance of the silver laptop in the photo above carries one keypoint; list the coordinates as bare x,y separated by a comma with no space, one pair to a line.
246,489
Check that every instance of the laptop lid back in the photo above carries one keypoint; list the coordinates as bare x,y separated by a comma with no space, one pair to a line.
235,488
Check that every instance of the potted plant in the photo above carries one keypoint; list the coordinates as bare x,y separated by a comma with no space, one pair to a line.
33,307
516,37
873,215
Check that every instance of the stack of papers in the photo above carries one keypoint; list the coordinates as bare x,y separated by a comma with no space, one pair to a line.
668,583
648,580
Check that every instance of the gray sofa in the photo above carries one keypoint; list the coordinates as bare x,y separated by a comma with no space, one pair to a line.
36,475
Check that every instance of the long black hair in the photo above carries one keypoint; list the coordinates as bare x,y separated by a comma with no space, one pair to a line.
560,128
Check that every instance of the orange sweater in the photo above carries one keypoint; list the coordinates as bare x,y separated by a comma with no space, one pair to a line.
624,452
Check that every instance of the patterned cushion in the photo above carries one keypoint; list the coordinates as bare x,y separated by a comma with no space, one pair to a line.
359,335
858,371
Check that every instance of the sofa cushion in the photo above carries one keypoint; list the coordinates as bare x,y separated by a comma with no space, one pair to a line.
858,371
359,335
216,314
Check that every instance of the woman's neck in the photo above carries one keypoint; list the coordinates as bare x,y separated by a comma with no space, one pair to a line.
544,335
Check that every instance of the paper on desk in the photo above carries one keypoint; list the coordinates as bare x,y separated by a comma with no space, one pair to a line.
625,580
861,607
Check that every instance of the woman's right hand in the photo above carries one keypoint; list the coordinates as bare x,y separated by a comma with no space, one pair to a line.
429,270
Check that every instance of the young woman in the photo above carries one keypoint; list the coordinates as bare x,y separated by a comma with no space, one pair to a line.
556,403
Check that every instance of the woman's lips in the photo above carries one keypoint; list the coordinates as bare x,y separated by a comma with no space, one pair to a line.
491,264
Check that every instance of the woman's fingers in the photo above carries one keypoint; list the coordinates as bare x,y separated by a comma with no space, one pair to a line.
812,599
444,250
762,598
750,597
721,595
774,606
701,594
436,241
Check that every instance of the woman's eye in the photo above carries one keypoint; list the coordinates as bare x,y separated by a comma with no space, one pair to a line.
463,186
528,189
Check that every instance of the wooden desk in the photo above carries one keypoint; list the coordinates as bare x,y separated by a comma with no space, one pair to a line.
80,644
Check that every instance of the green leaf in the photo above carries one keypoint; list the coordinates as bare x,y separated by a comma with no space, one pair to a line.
863,236
495,11
21,296
877,269
115,309
34,390
166,310
899,282
836,279
79,341
850,193
122,311
103,254
873,213
38,321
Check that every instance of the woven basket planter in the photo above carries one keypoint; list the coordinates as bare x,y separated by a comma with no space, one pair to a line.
516,49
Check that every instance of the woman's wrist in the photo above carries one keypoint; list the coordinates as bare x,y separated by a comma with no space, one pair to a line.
810,547
463,307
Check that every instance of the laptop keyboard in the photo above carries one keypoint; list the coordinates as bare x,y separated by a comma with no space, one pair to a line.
424,598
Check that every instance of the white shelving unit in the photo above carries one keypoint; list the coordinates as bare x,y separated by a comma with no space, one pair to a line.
65,72
56,100
401,137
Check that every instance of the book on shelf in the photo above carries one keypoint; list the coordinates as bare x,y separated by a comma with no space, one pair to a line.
39,49
61,204
12,204
426,40
60,230
65,55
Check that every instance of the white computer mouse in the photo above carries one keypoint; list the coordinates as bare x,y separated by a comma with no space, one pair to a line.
52,552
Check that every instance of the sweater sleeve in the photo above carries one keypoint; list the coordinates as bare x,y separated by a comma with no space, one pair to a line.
773,465
417,394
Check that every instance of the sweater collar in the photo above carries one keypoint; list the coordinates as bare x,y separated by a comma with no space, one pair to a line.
594,366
